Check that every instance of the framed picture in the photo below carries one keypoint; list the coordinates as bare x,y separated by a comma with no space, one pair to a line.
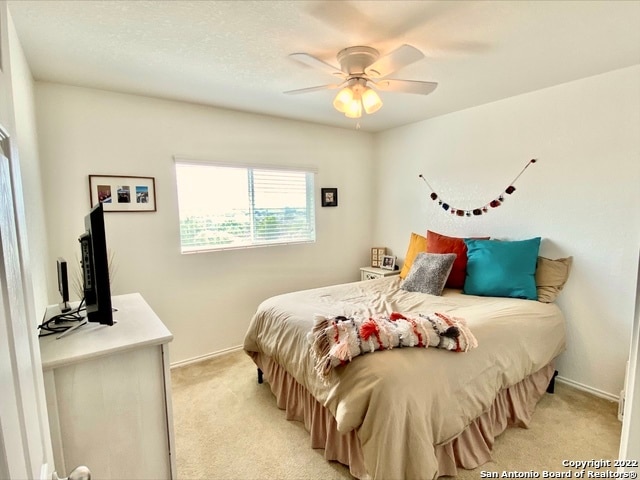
388,262
119,193
329,197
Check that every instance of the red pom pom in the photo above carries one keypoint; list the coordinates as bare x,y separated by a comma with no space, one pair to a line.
367,329
395,316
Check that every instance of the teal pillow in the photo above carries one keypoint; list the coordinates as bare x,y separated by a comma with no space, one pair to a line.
498,268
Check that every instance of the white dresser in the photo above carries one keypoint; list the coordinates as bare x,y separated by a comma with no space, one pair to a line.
108,392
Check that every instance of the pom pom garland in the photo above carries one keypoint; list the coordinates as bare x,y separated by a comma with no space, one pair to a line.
495,203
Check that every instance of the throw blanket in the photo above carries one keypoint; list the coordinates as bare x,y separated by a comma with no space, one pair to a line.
335,341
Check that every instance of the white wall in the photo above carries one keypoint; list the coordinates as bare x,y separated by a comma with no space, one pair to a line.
582,197
27,142
206,300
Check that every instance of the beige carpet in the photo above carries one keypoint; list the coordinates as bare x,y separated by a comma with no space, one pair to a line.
228,427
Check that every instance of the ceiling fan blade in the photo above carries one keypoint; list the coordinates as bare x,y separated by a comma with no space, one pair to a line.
344,17
315,62
406,86
314,89
395,60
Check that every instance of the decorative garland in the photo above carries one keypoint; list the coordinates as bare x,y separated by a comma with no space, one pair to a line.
495,203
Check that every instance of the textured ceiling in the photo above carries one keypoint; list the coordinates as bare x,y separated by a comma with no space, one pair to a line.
234,54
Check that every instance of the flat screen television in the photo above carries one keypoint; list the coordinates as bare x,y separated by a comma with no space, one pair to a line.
95,268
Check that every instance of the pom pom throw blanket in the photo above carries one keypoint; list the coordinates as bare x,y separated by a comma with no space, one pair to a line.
336,341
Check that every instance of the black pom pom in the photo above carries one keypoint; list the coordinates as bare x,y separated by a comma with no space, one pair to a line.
445,206
477,211
510,189
434,195
451,332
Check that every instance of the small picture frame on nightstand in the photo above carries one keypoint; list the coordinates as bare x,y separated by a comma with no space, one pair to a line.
388,262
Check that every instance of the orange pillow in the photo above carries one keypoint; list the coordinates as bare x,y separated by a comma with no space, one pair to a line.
417,244
438,243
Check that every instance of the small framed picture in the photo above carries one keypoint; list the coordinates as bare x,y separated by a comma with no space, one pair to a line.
329,197
119,193
388,262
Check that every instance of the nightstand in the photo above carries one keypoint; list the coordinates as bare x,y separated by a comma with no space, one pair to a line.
370,273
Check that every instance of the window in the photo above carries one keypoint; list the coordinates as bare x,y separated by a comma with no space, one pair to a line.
226,206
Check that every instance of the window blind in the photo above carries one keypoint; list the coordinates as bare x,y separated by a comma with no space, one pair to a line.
223,206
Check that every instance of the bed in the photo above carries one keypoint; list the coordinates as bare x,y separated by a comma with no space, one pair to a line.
417,413
408,412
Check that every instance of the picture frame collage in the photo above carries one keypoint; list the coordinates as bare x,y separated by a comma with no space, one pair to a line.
119,193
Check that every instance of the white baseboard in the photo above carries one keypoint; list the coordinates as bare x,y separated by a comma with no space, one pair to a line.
219,353
588,389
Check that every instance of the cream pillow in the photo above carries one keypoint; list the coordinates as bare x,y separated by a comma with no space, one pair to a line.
417,244
551,275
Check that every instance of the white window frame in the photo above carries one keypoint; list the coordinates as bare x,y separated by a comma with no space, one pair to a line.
249,168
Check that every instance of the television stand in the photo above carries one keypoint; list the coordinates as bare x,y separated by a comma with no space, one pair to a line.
108,393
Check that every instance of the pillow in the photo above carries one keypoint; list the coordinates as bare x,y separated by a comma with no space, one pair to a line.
551,275
498,268
417,244
429,273
437,243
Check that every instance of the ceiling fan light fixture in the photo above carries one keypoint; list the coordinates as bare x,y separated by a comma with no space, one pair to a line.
354,109
343,99
371,101
361,68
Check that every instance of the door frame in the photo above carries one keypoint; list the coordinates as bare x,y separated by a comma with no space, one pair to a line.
25,441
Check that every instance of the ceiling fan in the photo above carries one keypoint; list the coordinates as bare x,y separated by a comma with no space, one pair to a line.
363,71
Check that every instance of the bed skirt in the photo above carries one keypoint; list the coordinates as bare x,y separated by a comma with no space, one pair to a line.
512,407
